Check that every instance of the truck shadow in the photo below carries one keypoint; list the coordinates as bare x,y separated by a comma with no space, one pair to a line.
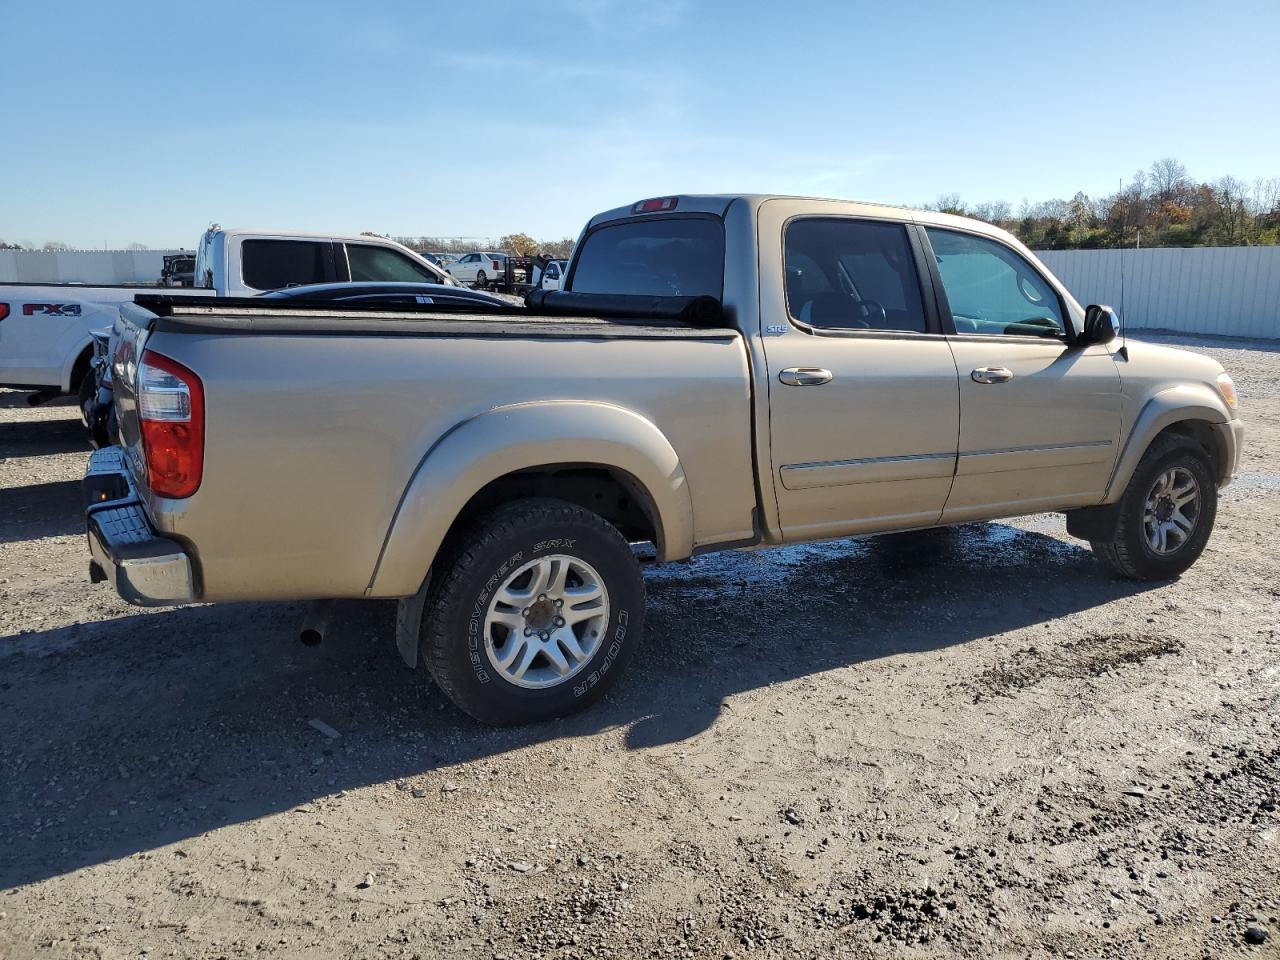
41,510
143,730
39,438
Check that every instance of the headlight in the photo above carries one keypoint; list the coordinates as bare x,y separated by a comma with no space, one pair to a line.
1227,387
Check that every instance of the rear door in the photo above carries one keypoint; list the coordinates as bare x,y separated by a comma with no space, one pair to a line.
465,269
270,263
864,410
1040,418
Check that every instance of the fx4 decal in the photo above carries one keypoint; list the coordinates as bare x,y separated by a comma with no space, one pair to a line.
51,309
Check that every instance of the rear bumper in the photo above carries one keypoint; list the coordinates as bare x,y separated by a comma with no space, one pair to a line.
146,569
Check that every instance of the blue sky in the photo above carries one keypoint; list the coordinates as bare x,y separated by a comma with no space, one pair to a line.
144,122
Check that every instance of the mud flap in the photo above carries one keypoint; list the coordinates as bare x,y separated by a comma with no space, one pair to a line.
1094,523
409,624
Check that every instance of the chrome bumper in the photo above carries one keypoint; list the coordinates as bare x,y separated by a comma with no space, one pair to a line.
146,569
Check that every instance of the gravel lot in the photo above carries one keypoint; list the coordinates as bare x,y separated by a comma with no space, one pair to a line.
819,752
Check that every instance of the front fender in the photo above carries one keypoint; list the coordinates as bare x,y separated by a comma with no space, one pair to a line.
1186,401
520,437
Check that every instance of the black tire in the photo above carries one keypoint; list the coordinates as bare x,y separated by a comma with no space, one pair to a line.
1129,553
482,559
87,389
481,280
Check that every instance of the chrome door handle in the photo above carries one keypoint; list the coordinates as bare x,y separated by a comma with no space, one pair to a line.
992,375
804,376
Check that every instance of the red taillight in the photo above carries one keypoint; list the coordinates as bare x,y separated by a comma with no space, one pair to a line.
496,266
4,310
171,410
656,205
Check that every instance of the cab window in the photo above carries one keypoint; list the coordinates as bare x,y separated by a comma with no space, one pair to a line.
847,274
992,289
272,264
663,257
379,263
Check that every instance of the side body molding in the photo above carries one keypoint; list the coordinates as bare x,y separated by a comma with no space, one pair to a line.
1174,404
526,436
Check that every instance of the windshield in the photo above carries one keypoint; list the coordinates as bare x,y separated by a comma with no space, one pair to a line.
665,257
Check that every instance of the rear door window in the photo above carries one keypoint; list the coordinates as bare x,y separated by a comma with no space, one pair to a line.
380,263
847,274
272,264
663,257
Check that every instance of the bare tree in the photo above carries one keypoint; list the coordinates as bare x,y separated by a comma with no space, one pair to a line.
135,246
1081,212
1169,179
994,211
948,203
54,246
557,249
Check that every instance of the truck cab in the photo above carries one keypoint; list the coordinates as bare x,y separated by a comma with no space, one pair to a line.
244,263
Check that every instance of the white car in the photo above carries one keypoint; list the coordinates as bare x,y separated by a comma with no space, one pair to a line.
479,269
553,274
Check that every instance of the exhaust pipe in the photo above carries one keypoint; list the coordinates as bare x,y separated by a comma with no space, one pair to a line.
315,622
42,396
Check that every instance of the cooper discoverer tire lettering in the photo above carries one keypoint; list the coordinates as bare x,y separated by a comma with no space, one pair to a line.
536,612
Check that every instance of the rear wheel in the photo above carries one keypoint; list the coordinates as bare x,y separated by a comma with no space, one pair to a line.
481,280
534,614
1166,514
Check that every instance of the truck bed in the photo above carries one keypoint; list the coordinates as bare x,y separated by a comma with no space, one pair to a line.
321,425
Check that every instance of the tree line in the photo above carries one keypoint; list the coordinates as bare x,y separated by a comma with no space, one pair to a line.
1160,207
516,244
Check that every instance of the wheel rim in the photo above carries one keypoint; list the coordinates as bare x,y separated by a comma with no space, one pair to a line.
546,621
480,279
1172,511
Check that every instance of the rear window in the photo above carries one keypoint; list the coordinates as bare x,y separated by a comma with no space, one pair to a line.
272,264
664,257
381,264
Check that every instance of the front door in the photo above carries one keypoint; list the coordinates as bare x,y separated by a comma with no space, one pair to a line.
1039,419
864,414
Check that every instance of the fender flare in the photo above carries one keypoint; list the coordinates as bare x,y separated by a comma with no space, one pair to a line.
526,436
1175,404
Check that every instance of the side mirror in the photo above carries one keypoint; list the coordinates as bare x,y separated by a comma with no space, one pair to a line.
1101,324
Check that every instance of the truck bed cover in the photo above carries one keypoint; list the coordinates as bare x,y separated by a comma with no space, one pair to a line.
252,316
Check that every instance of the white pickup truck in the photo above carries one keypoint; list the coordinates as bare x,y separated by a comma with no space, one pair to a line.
45,344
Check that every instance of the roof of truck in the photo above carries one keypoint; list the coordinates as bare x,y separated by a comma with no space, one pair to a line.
305,234
719,203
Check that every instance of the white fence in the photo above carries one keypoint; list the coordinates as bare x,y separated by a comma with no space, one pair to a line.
1224,291
82,266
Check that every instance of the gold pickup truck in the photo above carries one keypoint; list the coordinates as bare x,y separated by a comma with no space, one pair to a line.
867,370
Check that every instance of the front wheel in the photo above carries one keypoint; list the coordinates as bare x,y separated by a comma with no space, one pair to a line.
534,614
1166,514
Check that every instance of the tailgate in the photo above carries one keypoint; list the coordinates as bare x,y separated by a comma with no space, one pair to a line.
128,340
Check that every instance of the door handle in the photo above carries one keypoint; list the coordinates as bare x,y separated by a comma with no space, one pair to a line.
992,375
804,376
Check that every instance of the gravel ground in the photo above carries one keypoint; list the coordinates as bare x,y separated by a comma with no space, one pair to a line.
819,752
